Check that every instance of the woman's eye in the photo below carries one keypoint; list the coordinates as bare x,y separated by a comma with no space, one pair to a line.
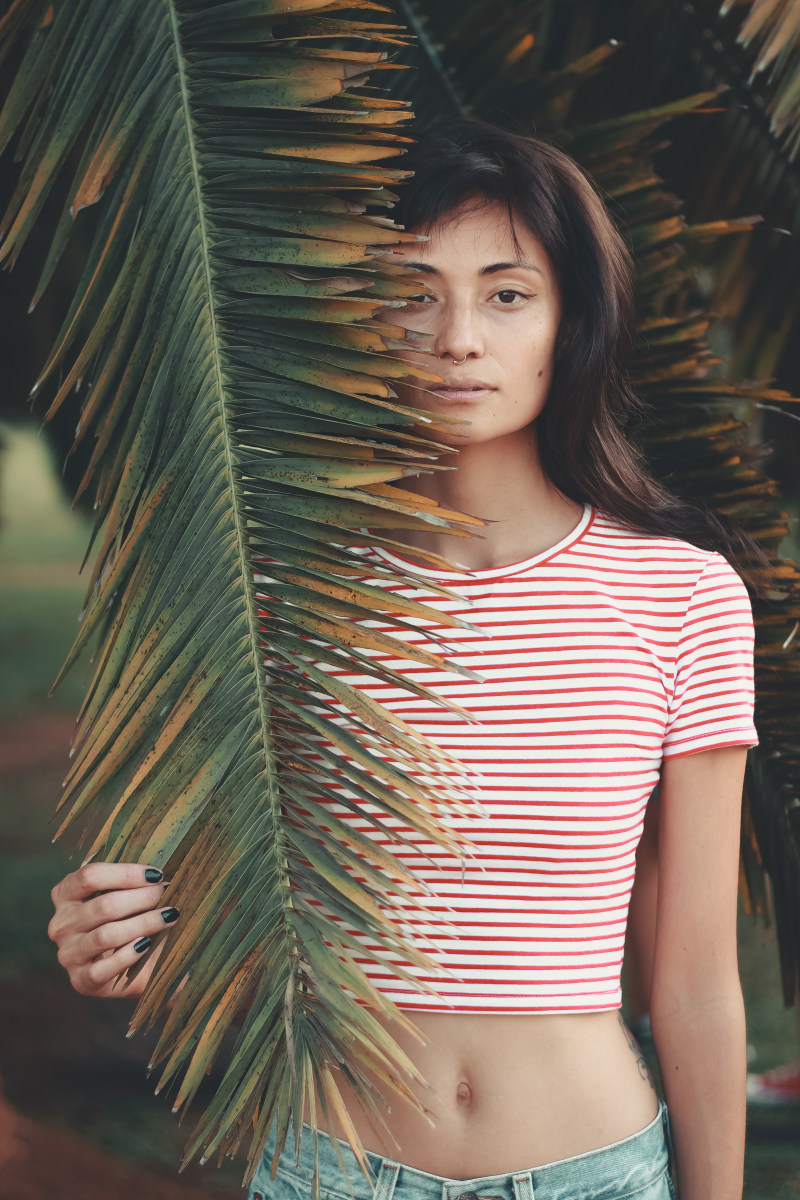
508,296
419,299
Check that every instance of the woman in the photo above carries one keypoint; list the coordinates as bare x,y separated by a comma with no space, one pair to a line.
617,645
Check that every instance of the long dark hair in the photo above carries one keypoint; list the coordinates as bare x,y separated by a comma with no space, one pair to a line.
584,430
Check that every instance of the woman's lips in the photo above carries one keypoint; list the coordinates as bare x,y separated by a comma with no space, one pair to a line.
463,391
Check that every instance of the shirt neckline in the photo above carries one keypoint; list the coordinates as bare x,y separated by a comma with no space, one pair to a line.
491,573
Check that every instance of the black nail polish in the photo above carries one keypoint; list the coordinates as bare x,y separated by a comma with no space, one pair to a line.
168,915
153,875
142,945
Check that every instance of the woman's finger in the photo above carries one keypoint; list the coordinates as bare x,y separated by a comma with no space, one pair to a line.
71,918
110,907
101,977
81,948
104,877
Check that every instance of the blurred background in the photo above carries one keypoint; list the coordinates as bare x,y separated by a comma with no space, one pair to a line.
77,1112
78,1117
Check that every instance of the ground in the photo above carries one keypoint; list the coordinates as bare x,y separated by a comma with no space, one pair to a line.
78,1117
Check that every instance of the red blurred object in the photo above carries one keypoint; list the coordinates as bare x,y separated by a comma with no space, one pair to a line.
780,1085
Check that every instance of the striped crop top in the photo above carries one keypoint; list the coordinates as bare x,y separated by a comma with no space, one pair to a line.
599,657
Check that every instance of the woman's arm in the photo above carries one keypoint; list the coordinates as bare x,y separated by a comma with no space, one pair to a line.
697,1009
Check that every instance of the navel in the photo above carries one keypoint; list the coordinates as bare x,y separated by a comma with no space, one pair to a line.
464,1093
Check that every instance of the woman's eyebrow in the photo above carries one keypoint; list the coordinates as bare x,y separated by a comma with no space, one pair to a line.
492,269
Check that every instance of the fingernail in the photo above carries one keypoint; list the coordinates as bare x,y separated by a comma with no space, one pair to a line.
142,945
153,875
168,915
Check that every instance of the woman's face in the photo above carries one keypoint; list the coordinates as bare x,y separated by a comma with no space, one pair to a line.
490,306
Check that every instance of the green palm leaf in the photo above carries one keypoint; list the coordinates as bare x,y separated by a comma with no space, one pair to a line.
236,391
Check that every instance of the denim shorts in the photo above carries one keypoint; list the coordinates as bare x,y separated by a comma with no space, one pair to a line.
635,1168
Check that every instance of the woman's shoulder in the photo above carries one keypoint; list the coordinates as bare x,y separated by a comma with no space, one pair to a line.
647,550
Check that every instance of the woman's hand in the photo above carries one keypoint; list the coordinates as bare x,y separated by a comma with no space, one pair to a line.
106,915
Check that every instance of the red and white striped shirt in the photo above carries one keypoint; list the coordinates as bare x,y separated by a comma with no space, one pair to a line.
600,656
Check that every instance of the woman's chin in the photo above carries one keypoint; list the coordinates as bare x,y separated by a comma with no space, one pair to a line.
445,431
442,422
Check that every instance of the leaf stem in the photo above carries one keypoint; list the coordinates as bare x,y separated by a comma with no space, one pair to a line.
238,515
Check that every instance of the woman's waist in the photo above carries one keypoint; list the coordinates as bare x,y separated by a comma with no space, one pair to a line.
510,1092
640,1160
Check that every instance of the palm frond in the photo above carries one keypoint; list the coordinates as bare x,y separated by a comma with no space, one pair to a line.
771,28
726,165
237,394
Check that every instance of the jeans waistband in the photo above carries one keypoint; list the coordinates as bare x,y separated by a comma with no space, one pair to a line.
612,1170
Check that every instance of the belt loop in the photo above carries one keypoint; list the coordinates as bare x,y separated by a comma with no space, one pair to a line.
523,1186
387,1180
668,1138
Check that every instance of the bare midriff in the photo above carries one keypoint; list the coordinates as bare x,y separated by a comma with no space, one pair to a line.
510,1092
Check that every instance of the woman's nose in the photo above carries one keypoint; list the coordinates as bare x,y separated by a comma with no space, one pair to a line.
457,334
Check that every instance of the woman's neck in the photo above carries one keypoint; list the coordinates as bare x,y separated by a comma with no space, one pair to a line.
503,483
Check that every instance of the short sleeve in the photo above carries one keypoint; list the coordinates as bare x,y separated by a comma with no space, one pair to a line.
712,696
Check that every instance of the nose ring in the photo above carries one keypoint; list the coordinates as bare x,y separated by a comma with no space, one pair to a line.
459,361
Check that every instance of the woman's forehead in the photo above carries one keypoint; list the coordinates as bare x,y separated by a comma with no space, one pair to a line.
481,234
